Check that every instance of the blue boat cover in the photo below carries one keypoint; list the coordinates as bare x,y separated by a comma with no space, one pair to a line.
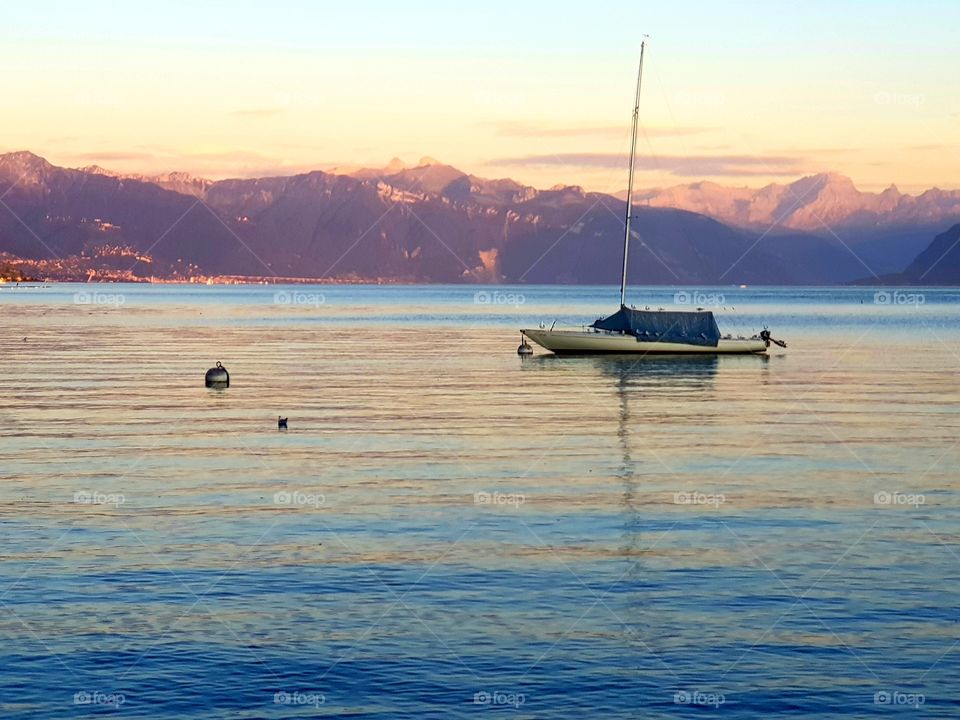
670,326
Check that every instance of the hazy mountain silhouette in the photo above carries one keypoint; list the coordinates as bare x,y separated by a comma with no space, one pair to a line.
884,230
812,203
938,264
429,223
51,212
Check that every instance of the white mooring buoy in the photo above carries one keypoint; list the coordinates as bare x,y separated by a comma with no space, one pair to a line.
217,377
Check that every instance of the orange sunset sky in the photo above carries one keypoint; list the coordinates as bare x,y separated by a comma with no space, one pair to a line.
741,93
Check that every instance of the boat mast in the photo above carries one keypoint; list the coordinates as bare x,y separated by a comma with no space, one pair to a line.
633,153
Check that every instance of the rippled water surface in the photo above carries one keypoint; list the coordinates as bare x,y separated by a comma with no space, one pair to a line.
447,530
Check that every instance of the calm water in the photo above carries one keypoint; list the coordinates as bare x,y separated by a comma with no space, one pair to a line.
448,531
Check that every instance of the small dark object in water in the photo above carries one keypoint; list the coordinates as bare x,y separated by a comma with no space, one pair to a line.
524,348
767,339
281,423
217,377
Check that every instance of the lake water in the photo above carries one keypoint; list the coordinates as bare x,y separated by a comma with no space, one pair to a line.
447,530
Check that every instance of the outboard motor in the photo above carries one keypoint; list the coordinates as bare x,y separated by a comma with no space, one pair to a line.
767,339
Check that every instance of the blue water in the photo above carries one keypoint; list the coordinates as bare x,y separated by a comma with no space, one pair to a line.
447,530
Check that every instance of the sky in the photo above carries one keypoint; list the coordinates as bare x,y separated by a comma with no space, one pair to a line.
740,93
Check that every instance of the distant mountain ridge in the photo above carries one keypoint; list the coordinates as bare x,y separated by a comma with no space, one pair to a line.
938,264
429,223
815,203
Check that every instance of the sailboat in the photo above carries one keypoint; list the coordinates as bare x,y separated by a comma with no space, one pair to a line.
629,330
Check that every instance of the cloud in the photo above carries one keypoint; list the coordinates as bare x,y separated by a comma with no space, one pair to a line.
111,156
278,169
226,156
678,165
213,164
674,131
240,164
821,151
523,129
258,112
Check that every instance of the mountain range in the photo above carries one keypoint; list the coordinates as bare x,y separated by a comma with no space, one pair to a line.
435,223
814,204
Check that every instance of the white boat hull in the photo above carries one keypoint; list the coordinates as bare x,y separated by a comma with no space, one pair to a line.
589,342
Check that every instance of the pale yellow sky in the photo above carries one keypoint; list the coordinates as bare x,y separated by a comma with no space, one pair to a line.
221,99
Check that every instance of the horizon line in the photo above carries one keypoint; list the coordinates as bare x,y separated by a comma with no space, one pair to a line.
350,169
